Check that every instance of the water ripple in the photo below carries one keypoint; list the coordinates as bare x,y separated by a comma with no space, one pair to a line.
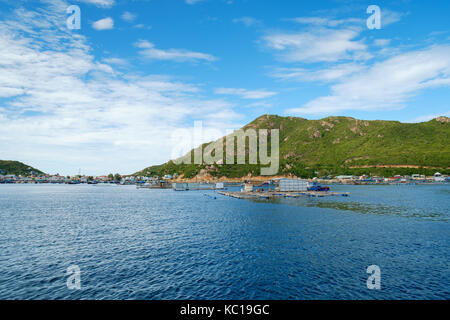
159,244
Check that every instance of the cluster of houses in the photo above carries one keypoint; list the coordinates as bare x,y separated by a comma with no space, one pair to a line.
82,179
56,179
415,178
156,180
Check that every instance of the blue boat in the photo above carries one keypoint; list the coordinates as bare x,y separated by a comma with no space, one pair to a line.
317,187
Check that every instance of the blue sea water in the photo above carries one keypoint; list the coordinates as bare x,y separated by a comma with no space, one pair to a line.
159,244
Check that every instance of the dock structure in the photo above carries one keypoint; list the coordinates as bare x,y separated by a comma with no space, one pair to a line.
196,186
278,194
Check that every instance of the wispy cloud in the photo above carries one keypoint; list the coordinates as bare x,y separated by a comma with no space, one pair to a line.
245,94
389,17
128,16
116,61
382,42
318,45
429,117
99,3
325,39
63,109
103,24
337,72
248,21
149,51
386,85
328,22
193,1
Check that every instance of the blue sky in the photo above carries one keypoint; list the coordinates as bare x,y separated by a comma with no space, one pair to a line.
109,96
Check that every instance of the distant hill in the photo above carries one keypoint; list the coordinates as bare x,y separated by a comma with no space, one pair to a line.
17,168
341,145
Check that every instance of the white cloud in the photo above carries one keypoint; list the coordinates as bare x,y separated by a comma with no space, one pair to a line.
333,73
86,114
149,51
142,26
100,3
328,22
389,17
248,21
260,104
103,24
193,1
381,42
429,117
324,39
116,61
318,45
386,85
246,94
128,16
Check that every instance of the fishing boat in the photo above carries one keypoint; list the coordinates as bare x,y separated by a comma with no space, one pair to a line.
314,186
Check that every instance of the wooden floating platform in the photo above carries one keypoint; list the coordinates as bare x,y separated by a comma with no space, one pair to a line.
272,195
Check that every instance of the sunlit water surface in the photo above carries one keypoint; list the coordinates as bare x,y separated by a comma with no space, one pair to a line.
159,244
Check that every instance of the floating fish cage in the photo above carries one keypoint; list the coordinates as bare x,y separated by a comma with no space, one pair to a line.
192,186
293,185
220,186
180,186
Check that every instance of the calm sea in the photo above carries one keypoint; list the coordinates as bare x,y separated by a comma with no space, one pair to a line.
159,244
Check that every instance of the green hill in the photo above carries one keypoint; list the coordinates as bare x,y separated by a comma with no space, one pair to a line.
17,168
341,145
